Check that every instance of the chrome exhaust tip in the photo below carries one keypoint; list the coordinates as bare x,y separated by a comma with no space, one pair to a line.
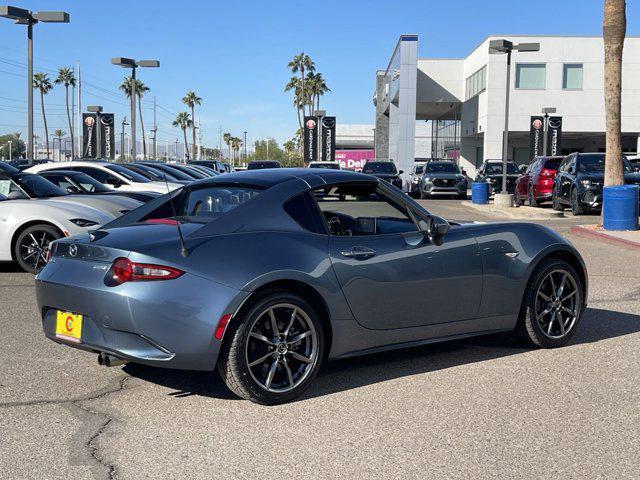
107,360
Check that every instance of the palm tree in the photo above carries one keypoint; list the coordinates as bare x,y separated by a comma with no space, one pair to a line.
42,83
227,140
65,77
141,89
183,121
59,134
294,84
301,63
614,26
317,88
236,143
191,100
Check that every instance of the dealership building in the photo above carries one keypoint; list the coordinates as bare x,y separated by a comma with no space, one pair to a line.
463,99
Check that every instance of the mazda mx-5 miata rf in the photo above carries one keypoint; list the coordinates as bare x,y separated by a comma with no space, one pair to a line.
267,274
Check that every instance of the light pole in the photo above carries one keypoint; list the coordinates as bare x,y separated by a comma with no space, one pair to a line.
10,150
503,46
122,150
133,64
245,145
25,17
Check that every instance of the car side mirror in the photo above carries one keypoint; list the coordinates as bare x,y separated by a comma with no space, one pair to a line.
71,190
437,229
400,172
523,168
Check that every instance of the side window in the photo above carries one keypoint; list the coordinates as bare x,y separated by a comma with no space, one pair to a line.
303,210
362,209
564,165
99,175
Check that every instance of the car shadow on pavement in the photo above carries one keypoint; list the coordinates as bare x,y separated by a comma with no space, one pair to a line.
355,372
10,267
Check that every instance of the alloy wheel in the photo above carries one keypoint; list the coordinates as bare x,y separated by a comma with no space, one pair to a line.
557,305
281,348
34,248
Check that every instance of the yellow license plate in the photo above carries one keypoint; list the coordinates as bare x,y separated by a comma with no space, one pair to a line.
68,326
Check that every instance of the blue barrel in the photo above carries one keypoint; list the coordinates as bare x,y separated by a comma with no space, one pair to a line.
620,207
480,193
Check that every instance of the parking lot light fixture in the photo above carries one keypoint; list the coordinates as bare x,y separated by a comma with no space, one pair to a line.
20,16
133,64
500,47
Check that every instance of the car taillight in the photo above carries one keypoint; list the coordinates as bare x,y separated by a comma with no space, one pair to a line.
124,270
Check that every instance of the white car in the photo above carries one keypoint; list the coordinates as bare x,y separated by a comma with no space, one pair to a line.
112,175
16,185
27,227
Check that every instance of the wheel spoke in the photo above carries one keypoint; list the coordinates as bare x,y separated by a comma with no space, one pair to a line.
260,360
560,322
553,284
291,320
299,337
561,288
543,313
272,372
546,298
262,338
289,374
301,358
35,241
550,324
274,323
569,296
568,310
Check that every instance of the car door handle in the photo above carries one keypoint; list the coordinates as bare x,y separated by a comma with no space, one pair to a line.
359,253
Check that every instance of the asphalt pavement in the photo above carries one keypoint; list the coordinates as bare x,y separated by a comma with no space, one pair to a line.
487,407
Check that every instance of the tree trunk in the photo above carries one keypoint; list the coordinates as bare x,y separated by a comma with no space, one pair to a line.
614,28
73,147
44,119
144,141
304,110
193,130
186,145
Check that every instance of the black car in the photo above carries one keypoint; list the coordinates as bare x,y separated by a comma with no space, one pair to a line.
153,173
634,160
216,165
578,183
491,171
260,164
170,170
384,170
80,183
443,178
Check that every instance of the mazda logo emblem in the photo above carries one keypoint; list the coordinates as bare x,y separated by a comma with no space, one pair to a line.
555,122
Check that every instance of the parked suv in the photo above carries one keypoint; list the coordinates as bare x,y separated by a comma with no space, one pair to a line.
579,181
385,170
491,171
443,178
535,185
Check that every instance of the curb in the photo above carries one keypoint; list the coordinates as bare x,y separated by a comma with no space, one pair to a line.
523,213
603,237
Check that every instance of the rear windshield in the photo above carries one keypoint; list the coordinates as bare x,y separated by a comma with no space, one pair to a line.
379,167
441,168
128,174
212,202
552,163
595,163
37,186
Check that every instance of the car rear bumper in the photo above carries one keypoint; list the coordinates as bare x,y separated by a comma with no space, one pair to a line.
164,323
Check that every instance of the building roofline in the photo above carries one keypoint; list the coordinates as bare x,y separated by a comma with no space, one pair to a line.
404,36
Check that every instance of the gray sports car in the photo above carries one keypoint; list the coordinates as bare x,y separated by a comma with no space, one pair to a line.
267,274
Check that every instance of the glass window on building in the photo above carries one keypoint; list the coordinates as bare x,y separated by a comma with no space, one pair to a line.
531,76
476,83
572,76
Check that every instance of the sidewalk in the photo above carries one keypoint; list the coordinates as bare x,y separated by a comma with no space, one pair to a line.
627,239
522,212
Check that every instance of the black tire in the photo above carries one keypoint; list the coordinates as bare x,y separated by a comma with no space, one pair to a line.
555,202
576,208
462,196
532,199
424,196
233,362
531,325
31,246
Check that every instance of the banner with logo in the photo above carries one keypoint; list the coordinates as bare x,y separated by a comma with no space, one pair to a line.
89,135
329,139
107,136
554,135
310,139
536,137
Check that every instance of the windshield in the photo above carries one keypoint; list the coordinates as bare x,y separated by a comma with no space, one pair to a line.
496,168
380,167
595,163
128,174
330,166
441,168
261,165
419,169
213,202
36,186
152,173
88,184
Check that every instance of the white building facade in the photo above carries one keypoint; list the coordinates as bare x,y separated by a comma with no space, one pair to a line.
465,99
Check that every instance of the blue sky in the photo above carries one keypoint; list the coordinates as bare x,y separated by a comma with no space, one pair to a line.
234,54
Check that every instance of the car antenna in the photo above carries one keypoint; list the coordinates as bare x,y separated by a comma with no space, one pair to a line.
183,248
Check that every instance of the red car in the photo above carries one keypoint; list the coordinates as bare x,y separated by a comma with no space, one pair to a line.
535,185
